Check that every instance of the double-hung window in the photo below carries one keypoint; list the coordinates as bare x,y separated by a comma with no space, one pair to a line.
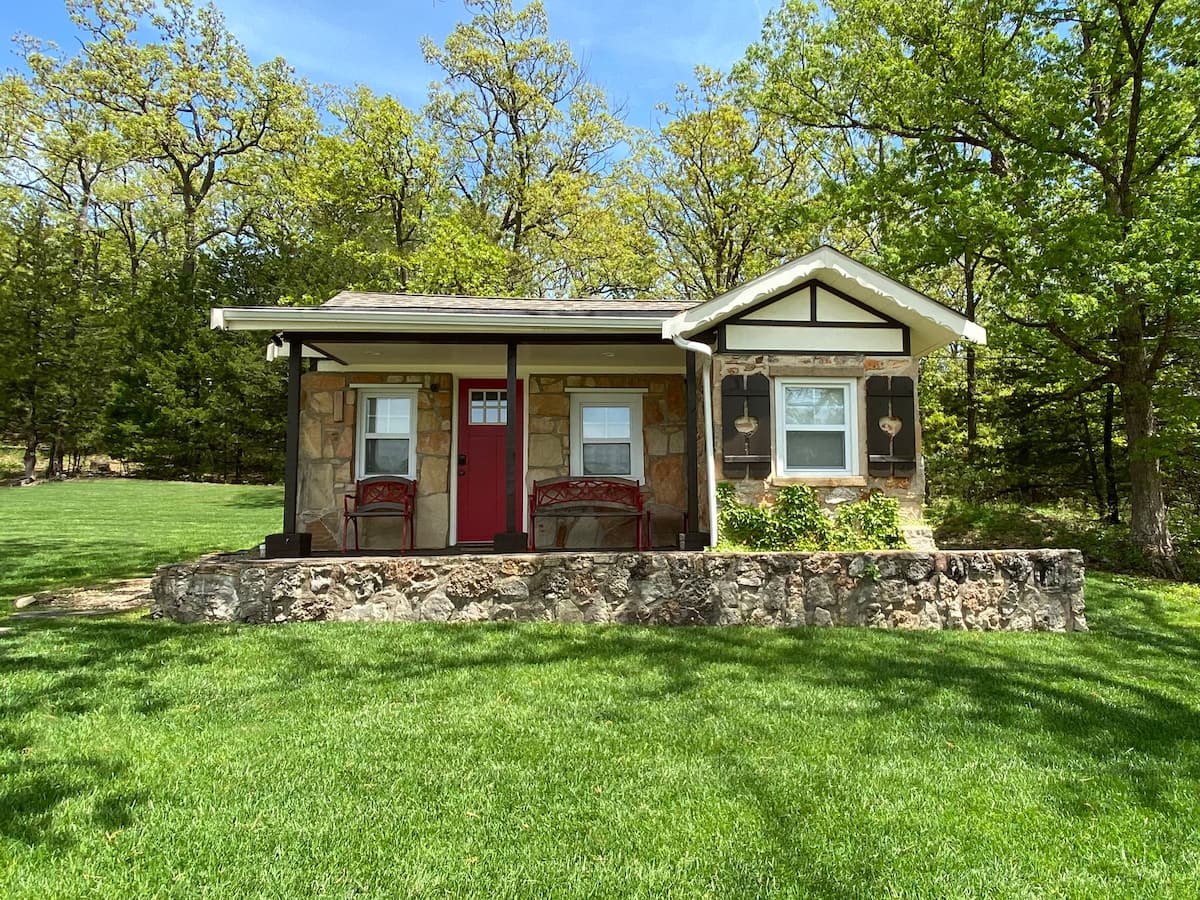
606,434
816,430
387,439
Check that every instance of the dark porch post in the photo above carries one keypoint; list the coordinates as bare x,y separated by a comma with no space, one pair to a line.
289,542
512,540
695,539
292,451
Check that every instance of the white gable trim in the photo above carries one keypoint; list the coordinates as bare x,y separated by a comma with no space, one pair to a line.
932,325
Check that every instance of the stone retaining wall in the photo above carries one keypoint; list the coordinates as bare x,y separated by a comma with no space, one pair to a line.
1016,590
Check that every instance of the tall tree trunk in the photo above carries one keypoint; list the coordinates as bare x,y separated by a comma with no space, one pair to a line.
30,459
1112,497
1148,508
54,459
972,384
1094,474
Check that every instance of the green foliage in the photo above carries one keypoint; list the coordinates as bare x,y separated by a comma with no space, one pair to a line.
868,524
1048,148
718,188
997,525
795,521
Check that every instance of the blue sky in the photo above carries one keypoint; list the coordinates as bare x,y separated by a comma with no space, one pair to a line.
637,51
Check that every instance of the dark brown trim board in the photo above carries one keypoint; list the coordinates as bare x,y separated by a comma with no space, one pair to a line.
292,446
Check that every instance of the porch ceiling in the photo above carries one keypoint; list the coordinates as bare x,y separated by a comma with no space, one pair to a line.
542,357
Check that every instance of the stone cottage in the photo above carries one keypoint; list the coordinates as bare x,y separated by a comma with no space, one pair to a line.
807,374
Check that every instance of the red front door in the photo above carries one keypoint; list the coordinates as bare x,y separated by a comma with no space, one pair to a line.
482,416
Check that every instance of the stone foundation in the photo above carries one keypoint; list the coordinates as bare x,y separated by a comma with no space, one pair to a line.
1014,590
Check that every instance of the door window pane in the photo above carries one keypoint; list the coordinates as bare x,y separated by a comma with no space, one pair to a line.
489,407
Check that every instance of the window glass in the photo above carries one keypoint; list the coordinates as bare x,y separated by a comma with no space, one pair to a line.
606,459
386,456
816,428
388,415
385,438
816,450
815,406
605,423
606,434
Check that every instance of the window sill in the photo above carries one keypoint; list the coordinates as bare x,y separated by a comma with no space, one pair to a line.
821,480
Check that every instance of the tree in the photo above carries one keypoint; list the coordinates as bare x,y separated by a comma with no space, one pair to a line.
527,138
1086,117
370,185
192,106
720,189
57,151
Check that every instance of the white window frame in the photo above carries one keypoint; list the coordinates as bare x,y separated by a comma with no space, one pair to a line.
633,402
361,435
850,428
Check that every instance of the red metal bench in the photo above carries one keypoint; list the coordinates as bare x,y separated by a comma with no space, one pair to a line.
589,496
379,496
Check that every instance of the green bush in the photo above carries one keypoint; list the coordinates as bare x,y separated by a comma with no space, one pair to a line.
796,522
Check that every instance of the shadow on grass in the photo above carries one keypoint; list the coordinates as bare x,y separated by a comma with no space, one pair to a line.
77,674
32,792
261,498
1128,692
73,562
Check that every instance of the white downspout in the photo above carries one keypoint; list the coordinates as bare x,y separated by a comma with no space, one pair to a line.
710,463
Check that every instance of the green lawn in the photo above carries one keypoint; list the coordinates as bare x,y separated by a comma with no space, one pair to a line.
94,530
143,758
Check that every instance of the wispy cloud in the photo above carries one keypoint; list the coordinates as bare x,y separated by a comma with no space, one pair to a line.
346,42
636,50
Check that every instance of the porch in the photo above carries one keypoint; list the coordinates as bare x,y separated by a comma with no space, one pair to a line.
474,464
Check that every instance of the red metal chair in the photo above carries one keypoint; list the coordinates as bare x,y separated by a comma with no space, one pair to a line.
381,496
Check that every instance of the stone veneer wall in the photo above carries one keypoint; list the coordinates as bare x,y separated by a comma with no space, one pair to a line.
326,472
832,491
1015,590
664,419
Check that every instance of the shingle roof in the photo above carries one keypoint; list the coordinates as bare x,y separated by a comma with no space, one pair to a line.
593,306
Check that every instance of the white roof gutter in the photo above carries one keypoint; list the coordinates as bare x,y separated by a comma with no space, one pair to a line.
710,465
330,321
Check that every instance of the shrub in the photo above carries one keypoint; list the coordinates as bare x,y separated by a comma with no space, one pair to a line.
796,522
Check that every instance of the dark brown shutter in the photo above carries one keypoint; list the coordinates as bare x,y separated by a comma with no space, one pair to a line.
891,404
746,456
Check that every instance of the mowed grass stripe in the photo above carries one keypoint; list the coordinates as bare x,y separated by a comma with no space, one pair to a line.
90,531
